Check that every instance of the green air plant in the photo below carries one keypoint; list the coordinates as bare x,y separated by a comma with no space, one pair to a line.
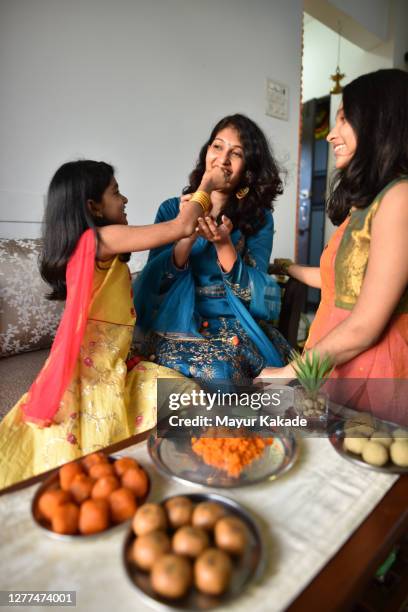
311,371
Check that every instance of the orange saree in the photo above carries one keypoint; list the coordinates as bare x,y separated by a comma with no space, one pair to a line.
342,268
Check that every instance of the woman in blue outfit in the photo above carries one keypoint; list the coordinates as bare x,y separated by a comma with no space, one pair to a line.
199,300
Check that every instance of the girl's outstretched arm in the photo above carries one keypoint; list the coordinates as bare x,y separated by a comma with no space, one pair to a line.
114,239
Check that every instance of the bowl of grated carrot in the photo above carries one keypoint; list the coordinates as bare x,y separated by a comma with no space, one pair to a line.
224,458
231,454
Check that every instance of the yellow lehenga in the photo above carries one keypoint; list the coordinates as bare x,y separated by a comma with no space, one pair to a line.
104,403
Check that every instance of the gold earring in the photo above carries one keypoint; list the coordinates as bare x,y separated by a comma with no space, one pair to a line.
98,214
241,193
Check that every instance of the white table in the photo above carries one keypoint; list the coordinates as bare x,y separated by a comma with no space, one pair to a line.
305,517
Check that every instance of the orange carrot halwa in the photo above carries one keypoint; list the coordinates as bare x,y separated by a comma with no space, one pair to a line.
230,454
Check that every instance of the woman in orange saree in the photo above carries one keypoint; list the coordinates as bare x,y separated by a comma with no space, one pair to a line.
362,320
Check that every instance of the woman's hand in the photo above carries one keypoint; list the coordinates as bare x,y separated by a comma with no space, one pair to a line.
218,234
280,266
287,373
309,275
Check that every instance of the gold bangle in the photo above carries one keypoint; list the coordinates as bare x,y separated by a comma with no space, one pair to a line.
203,199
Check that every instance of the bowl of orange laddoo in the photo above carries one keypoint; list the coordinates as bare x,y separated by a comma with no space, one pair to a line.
91,496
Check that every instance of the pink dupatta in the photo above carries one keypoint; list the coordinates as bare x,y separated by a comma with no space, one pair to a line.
46,392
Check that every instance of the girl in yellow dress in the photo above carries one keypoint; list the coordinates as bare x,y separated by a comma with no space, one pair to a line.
84,397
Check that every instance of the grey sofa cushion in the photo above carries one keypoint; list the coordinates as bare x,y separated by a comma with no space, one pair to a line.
28,321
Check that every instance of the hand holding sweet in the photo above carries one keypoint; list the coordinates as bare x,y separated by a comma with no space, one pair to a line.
184,200
214,179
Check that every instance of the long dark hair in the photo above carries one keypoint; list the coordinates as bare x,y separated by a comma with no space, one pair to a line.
376,106
67,216
261,174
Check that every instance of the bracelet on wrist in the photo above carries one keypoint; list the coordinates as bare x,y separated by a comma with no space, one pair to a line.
203,199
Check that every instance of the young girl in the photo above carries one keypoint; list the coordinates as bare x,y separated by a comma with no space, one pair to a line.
84,398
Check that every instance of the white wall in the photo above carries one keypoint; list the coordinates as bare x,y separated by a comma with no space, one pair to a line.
320,59
365,23
138,83
399,28
373,15
318,66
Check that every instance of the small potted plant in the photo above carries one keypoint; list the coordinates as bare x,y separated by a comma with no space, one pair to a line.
311,371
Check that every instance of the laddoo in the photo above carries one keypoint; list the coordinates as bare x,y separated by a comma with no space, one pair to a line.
375,453
92,459
148,548
123,464
399,453
136,480
101,469
81,488
354,445
67,474
231,535
104,486
179,511
122,505
50,500
66,519
93,516
149,517
383,437
190,541
171,576
206,514
212,571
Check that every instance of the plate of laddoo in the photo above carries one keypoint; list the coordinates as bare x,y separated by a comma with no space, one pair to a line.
193,551
372,443
90,496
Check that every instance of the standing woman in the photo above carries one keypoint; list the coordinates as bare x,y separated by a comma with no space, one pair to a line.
362,320
199,299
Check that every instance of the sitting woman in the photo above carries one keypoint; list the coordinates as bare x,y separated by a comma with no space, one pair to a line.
362,320
199,298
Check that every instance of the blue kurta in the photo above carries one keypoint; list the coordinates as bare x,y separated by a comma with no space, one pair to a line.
204,319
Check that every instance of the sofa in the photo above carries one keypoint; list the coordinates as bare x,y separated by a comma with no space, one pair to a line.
28,321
